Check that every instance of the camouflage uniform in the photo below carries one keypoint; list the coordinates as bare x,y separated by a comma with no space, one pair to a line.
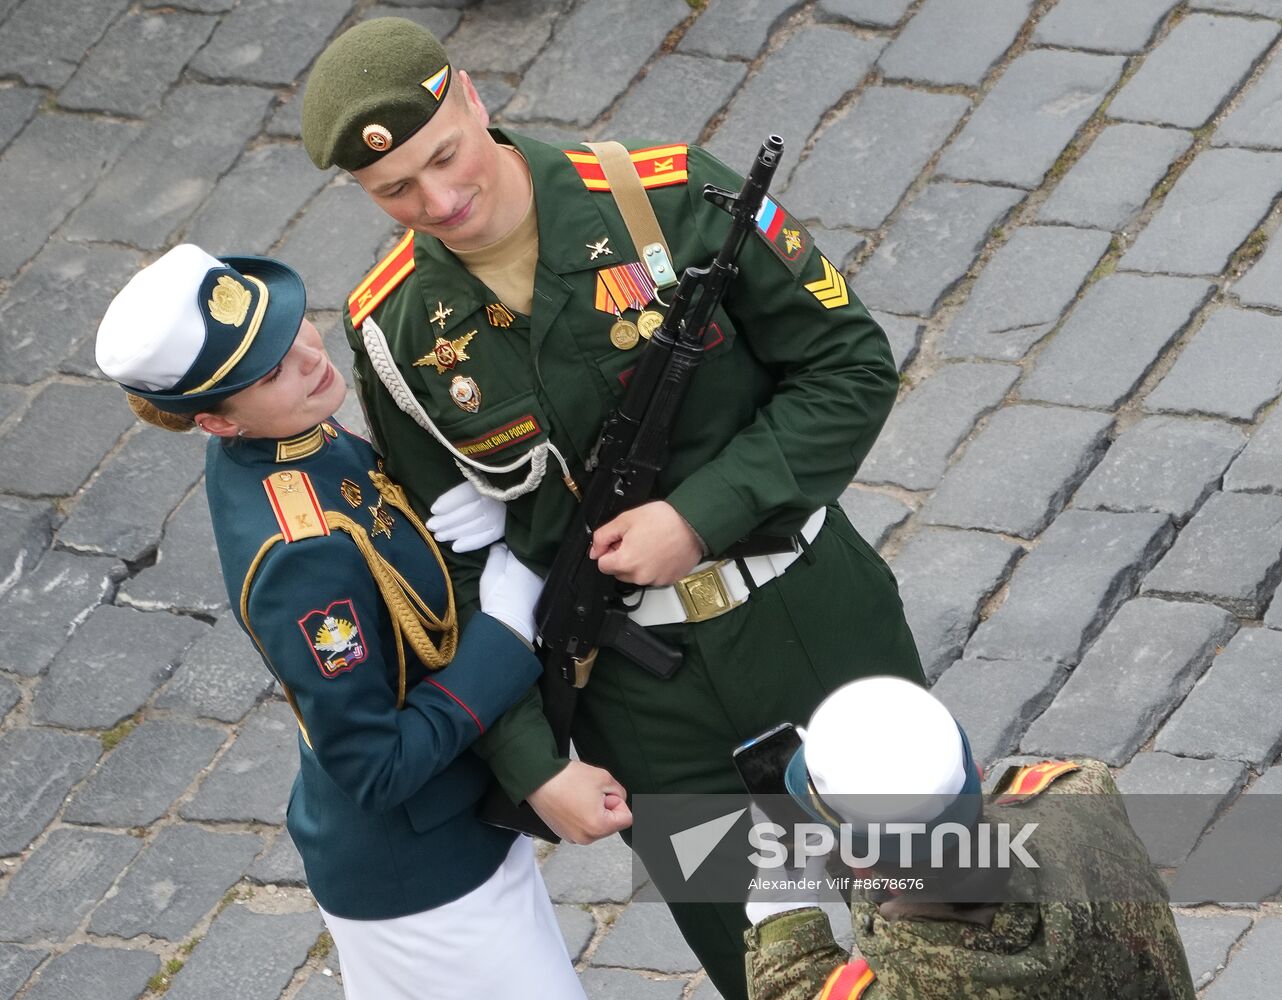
1120,948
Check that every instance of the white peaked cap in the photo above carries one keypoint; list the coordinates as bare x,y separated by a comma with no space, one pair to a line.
154,330
885,736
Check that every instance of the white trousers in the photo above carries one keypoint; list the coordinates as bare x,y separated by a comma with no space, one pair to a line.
500,939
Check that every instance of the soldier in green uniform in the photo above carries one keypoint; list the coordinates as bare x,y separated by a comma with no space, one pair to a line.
1091,921
343,591
494,339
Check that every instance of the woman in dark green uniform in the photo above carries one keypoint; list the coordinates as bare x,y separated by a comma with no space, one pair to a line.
345,594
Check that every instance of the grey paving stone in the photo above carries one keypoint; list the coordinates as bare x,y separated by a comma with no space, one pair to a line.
25,533
1230,553
598,873
928,424
205,6
438,20
1108,186
1222,196
62,880
52,148
221,676
1194,70
110,666
931,246
186,574
1027,119
879,13
735,29
320,987
1100,25
279,865
178,878
1273,619
270,41
49,602
577,927
645,937
1163,464
1064,591
945,43
503,35
13,399
1234,713
254,202
88,418
167,173
38,767
577,77
1231,368
619,984
1137,671
1258,469
309,245
1172,800
874,515
129,789
944,577
285,120
1269,8
124,508
1022,292
1207,940
1257,120
1009,480
138,60
705,85
251,782
43,40
841,246
17,105
1088,364
495,92
103,973
867,159
16,964
247,955
42,323
706,991
1262,284
995,699
1255,969
10,695
904,334
771,101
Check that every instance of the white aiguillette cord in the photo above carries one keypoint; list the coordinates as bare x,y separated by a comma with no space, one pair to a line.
380,357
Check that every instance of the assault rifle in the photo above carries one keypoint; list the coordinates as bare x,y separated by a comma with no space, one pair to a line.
582,610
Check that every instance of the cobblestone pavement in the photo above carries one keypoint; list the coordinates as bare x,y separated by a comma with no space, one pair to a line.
1062,212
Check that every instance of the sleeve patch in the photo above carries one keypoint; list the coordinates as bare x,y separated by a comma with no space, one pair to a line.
520,429
1035,779
848,982
379,283
830,290
335,638
785,235
657,166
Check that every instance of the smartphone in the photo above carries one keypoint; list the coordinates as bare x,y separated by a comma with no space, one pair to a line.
762,760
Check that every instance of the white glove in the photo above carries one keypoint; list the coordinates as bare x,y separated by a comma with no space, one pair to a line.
767,902
467,519
509,590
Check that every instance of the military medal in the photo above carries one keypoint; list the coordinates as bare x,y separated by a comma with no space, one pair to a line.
624,286
447,353
440,314
383,521
599,248
648,322
624,335
499,315
465,393
350,492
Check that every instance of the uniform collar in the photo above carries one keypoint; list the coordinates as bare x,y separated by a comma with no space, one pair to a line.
286,451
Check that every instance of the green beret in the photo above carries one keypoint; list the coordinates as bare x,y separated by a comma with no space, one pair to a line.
373,87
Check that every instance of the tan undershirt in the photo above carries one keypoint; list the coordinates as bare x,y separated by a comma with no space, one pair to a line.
507,265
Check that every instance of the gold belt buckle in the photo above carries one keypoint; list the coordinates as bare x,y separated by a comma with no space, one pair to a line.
704,595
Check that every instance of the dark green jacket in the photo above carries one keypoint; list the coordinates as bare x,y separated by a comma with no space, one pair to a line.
383,809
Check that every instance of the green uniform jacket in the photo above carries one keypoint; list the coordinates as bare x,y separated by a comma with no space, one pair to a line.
795,384
1048,951
383,810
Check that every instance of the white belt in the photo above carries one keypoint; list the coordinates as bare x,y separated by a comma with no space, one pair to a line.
713,588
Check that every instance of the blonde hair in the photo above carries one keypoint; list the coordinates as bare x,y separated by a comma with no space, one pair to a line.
152,414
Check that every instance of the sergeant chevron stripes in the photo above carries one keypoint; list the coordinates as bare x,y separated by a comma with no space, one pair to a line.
831,289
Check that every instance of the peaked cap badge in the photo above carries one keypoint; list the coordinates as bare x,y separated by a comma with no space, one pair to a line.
229,301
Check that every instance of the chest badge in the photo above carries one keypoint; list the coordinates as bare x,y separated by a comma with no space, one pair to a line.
499,315
350,492
599,249
465,393
441,314
382,520
447,353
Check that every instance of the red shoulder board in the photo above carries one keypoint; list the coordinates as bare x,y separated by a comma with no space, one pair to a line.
378,284
658,166
1034,779
298,511
848,982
